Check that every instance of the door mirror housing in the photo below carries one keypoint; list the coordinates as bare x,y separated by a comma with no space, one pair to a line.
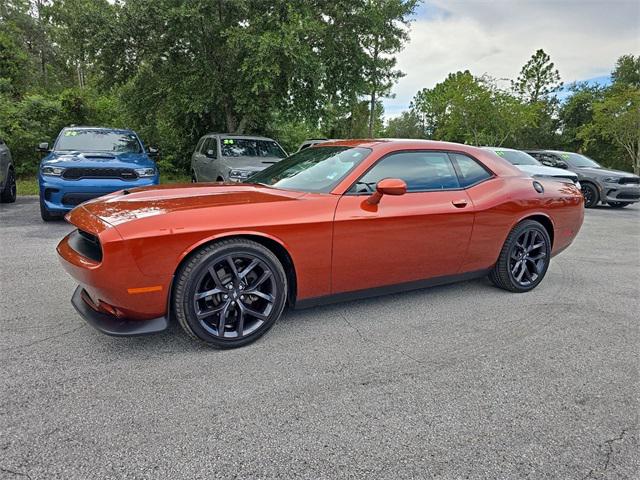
210,154
387,186
561,164
153,153
43,147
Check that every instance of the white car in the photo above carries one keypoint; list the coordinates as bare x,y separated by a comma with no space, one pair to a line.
533,167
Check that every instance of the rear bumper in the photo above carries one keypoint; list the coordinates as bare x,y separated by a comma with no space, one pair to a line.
60,195
111,325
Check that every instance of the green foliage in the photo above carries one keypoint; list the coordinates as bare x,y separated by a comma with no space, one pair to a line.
627,71
407,125
538,78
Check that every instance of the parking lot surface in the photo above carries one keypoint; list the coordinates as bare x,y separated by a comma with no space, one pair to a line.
460,381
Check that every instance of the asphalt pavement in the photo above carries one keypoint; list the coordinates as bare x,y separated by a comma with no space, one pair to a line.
460,381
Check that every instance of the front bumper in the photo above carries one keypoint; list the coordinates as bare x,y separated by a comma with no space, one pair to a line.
616,192
60,195
112,325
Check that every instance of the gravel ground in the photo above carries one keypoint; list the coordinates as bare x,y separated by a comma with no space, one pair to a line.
461,381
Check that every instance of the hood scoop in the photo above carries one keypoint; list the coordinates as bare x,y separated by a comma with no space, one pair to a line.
99,157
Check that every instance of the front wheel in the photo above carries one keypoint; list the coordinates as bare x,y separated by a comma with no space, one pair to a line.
524,258
9,192
230,293
619,204
590,194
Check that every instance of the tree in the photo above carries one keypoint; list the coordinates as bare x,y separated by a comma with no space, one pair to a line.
627,71
406,125
538,78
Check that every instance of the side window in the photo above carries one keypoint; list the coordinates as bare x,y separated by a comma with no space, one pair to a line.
422,171
199,145
211,144
471,172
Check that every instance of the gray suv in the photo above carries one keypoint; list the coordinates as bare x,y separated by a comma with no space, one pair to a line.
613,187
7,175
224,157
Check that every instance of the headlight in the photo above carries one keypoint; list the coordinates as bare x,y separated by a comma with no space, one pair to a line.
52,171
146,172
611,180
240,174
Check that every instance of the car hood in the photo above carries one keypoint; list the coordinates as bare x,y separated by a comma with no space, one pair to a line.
97,159
127,205
604,172
543,171
254,164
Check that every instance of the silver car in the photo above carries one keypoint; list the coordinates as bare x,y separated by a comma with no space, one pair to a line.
224,157
7,175
525,162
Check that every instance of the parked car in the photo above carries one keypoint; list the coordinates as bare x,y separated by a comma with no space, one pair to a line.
338,221
222,157
310,142
613,187
533,167
7,175
88,162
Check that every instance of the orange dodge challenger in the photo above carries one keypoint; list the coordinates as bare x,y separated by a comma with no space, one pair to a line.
340,220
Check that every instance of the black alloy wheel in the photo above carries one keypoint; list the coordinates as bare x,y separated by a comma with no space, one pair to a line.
590,195
619,204
9,192
230,293
524,258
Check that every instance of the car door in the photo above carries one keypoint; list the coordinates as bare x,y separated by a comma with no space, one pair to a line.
419,235
196,160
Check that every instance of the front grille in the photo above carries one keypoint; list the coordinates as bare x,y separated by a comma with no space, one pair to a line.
75,199
86,244
630,180
75,173
628,196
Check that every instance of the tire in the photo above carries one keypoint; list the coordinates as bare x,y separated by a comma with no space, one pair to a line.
220,179
590,193
619,204
251,297
46,215
9,192
519,259
194,179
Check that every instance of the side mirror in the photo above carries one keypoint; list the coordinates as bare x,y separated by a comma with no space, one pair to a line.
561,164
210,154
387,186
43,147
153,152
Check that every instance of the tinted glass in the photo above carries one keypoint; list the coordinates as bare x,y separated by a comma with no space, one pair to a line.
577,160
420,170
471,171
210,144
516,157
98,141
199,146
312,169
243,147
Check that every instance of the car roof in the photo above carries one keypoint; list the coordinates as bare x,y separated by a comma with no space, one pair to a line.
239,135
397,142
493,149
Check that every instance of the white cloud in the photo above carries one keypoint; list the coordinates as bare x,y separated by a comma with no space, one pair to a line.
584,38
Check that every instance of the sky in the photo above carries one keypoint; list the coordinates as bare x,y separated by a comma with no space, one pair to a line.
583,37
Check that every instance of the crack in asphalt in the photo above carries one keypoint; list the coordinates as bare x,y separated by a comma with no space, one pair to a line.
386,347
13,472
35,342
607,460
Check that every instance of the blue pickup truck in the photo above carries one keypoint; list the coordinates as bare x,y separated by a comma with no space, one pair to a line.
88,162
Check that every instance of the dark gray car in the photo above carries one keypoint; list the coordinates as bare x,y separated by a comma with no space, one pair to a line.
613,187
7,175
222,157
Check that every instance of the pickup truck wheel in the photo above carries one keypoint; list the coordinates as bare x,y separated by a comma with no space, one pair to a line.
9,191
230,293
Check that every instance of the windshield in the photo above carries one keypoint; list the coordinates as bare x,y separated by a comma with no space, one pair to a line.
576,160
98,141
516,157
317,169
244,147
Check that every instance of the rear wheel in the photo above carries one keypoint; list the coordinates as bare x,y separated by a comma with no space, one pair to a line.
9,192
619,204
230,293
194,179
524,258
590,194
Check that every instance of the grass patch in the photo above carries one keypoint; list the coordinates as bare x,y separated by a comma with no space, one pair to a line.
29,185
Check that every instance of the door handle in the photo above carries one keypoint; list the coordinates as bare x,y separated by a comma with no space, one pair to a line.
460,203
